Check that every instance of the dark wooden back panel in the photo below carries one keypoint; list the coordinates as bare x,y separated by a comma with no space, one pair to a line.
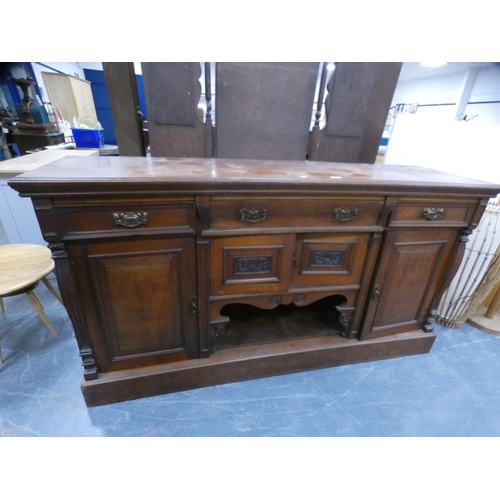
124,102
172,95
264,110
359,99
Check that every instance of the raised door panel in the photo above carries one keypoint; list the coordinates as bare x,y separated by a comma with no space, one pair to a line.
143,293
410,270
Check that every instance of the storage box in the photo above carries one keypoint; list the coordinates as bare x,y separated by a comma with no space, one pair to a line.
88,138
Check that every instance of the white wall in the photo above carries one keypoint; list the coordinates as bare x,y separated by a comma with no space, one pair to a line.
433,138
446,89
98,66
91,65
469,149
437,90
487,85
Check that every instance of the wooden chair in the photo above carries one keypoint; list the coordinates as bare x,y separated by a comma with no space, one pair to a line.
22,267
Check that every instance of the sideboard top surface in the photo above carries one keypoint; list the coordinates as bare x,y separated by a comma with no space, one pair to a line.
73,175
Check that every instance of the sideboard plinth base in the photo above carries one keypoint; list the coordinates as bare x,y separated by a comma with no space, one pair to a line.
250,362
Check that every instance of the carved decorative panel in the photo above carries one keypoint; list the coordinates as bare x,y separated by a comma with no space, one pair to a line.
326,258
253,265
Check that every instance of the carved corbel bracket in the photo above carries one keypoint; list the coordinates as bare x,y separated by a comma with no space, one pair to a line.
218,328
451,269
90,371
204,214
68,289
431,318
344,321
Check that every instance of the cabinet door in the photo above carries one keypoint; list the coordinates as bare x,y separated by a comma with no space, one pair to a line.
322,260
251,264
141,298
411,267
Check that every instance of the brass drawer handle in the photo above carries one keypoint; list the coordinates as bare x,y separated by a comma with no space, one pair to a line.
433,213
252,214
345,214
130,219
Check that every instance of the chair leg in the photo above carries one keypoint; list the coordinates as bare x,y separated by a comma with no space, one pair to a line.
39,309
1,359
53,289
1,305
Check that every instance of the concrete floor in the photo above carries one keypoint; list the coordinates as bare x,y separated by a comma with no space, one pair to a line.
452,391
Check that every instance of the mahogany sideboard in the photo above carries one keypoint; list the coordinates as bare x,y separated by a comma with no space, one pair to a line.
184,273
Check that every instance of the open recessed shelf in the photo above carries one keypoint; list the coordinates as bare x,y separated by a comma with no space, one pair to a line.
249,324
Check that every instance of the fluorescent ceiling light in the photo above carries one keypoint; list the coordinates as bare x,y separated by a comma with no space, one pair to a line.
433,64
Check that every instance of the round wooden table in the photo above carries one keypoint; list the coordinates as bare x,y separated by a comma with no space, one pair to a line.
22,266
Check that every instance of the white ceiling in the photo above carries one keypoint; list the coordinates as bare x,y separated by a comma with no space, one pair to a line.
413,70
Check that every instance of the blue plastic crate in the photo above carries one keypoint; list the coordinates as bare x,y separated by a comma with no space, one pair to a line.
88,138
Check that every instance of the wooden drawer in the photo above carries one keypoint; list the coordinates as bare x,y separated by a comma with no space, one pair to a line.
290,212
431,212
107,220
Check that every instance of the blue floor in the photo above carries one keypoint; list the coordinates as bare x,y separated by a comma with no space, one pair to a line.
452,391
